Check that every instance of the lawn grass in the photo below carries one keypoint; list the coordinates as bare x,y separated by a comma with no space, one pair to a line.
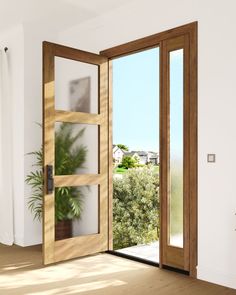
120,170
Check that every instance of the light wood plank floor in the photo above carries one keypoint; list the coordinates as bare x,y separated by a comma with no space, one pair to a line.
21,272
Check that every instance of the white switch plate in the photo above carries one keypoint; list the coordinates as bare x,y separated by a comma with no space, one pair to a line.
211,158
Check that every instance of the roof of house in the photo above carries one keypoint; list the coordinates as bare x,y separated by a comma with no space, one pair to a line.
114,146
129,153
139,153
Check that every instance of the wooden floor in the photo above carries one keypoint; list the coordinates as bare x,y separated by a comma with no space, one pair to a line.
21,272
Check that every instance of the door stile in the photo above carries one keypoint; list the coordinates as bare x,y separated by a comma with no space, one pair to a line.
48,150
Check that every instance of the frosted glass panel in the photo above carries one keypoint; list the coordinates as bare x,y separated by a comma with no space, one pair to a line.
76,148
176,149
76,211
76,86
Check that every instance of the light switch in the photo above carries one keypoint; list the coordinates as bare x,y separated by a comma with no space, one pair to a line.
211,158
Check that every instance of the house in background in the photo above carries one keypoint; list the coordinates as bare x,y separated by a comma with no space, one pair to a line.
153,158
118,154
144,157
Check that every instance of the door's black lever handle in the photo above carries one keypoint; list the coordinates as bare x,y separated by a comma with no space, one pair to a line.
49,179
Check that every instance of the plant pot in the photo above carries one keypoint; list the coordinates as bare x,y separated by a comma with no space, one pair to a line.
63,230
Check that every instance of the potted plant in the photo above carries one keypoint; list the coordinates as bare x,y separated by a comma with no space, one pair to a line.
69,157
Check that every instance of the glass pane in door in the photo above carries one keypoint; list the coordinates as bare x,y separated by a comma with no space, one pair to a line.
176,148
76,149
76,211
76,86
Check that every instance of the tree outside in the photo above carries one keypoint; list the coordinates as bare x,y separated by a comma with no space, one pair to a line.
135,208
128,162
123,147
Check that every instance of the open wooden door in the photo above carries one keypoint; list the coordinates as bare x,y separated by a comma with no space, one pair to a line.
75,144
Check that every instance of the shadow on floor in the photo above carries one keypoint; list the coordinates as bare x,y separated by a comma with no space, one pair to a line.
14,258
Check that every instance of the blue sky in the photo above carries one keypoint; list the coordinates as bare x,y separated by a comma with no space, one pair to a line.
136,100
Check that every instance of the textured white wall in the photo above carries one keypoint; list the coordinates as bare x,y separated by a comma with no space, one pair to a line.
217,104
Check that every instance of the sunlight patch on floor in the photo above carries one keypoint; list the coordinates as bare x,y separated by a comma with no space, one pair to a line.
16,266
80,288
93,266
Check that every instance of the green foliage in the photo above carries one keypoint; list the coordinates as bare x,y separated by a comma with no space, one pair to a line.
136,158
140,165
123,147
128,162
68,203
135,208
68,158
35,180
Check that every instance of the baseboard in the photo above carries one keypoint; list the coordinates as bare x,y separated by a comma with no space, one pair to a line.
216,276
19,240
6,240
31,242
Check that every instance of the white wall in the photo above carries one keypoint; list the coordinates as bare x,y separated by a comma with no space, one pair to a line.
34,35
25,68
14,40
217,104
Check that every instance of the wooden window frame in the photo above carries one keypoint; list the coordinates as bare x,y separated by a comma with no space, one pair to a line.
158,40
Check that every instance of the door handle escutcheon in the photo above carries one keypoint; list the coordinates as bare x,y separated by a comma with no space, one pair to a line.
49,179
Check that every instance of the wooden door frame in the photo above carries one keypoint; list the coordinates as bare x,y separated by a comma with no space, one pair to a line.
139,45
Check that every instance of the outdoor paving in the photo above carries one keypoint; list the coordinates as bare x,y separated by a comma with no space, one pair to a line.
148,251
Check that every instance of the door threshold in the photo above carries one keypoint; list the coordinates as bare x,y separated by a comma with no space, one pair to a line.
134,258
183,272
148,262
